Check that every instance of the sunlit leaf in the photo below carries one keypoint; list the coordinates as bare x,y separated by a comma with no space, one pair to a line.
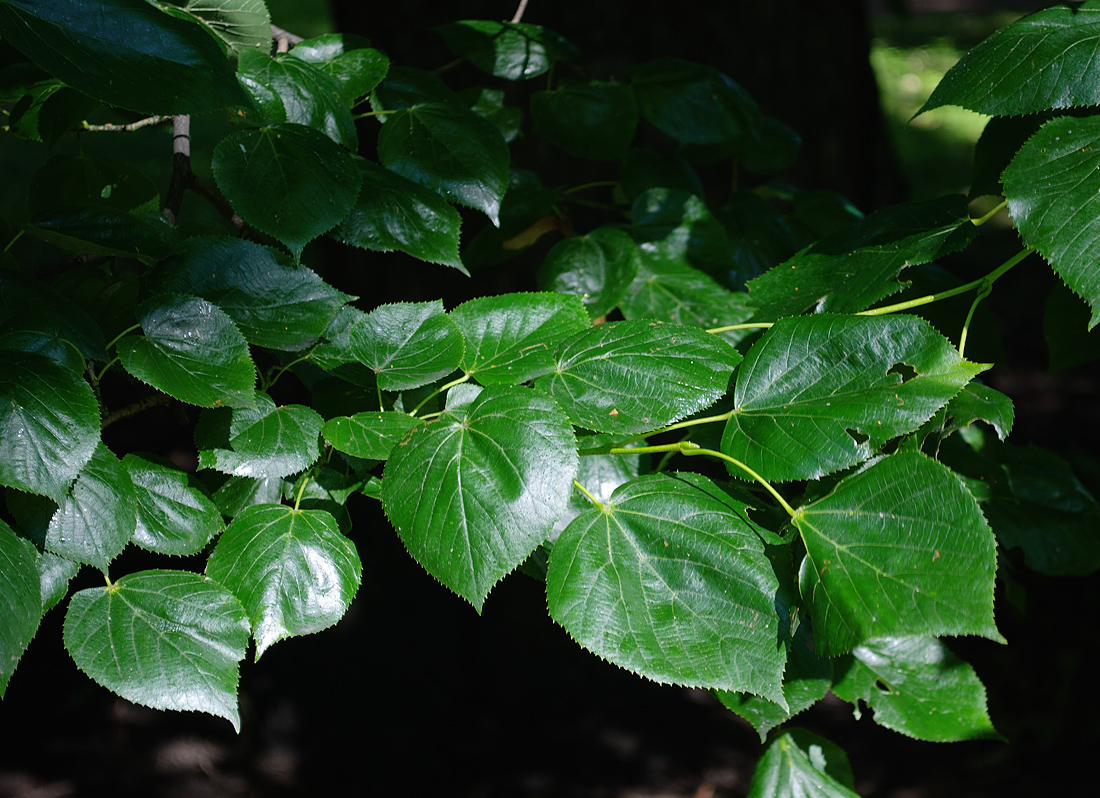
173,515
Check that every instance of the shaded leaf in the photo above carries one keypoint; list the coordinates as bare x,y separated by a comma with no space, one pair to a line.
692,103
237,493
104,231
192,351
240,24
292,570
820,393
593,120
163,639
31,307
899,548
669,580
173,516
916,686
475,492
343,56
597,267
509,50
675,226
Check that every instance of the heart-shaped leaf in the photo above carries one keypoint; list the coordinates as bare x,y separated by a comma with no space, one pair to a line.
163,639
260,442
173,516
293,571
597,267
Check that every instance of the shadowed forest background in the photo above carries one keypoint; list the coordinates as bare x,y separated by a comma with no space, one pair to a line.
413,693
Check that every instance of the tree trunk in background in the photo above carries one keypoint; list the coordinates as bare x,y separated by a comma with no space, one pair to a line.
805,62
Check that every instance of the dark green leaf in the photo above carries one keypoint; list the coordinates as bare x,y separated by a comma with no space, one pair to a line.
293,571
636,376
670,290
358,69
799,764
125,53
820,393
274,303
261,442
916,687
509,50
20,597
1053,191
1045,60
489,104
979,402
669,580
644,169
673,225
240,24
370,435
237,493
164,639
48,109
599,474
511,339
1001,139
393,212
760,235
68,181
597,267
192,351
97,519
173,516
54,575
900,548
49,424
588,120
473,493
287,89
103,231
28,307
405,87
853,269
288,181
450,150
693,103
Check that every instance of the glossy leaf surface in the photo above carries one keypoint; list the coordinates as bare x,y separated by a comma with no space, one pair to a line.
473,493
1053,192
916,686
899,548
163,639
192,351
407,344
264,441
49,424
669,580
240,24
20,598
597,267
292,570
636,376
370,435
509,50
820,393
173,515
800,763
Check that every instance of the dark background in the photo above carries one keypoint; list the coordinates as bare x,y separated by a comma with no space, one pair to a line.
414,694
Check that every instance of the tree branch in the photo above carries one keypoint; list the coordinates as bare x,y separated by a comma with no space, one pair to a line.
181,166
150,120
519,11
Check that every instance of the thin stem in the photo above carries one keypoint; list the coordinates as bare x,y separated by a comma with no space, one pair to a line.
983,292
14,238
753,325
275,377
775,494
983,219
122,335
135,408
151,120
962,289
440,390
519,11
301,490
591,498
181,167
595,184
373,113
694,422
98,377
279,33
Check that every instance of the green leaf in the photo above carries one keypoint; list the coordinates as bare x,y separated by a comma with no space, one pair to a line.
20,598
287,89
173,515
49,424
450,150
669,580
287,180
473,493
274,303
899,548
643,169
406,344
509,50
370,435
593,120
68,181
54,575
1053,191
30,307
637,376
820,393
125,53
916,687
673,225
693,103
672,291
511,339
806,680
97,519
979,402
600,475
241,25
405,87
192,351
358,69
163,639
489,105
237,493
760,235
47,109
800,764
293,571
104,231
394,213
851,270
1045,60
597,267
261,442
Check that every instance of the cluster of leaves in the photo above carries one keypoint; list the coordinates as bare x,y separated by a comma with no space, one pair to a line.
732,466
